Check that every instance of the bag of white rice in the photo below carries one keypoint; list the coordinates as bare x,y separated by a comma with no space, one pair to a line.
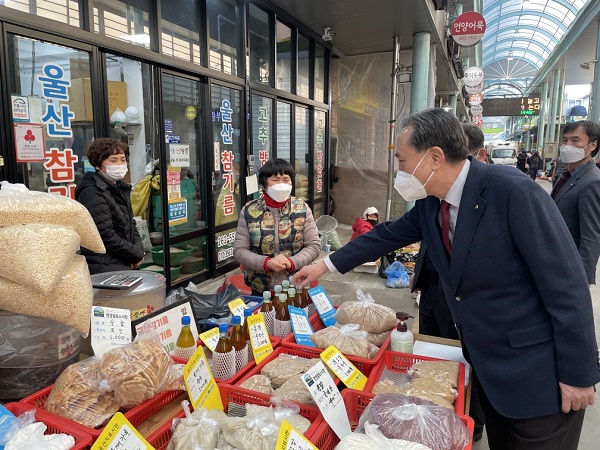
19,205
36,255
70,302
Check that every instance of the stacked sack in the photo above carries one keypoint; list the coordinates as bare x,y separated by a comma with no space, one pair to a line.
40,273
365,326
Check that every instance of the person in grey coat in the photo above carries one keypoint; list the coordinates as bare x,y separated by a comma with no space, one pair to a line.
276,234
577,191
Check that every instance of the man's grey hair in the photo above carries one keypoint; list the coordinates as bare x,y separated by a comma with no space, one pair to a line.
436,127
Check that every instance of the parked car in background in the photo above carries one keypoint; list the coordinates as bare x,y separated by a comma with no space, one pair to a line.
503,153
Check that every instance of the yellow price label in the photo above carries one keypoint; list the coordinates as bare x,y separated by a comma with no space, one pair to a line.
289,438
343,369
210,338
237,308
259,337
119,433
200,383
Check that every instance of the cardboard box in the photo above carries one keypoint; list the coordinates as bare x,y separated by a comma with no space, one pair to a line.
80,98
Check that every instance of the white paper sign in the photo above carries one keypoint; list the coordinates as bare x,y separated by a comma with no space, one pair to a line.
252,184
20,108
179,155
328,399
29,142
111,328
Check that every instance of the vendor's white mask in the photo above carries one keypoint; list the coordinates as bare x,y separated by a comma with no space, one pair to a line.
115,172
279,192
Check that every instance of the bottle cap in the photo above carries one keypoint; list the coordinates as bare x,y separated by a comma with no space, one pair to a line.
266,295
223,328
285,284
247,312
292,291
403,316
283,297
277,288
186,320
237,320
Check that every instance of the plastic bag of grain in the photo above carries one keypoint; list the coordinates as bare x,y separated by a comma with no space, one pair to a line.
36,255
19,205
70,302
365,312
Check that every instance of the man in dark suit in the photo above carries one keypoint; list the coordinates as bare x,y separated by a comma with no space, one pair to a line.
523,315
577,191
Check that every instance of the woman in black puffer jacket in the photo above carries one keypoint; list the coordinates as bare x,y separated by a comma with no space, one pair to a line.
107,198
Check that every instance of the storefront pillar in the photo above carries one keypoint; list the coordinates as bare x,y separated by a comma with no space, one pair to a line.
452,102
595,114
542,119
554,106
420,72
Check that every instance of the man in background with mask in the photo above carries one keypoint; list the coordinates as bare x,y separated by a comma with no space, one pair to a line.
577,191
276,233
524,317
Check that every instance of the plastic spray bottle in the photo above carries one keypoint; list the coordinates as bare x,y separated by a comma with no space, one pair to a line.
402,338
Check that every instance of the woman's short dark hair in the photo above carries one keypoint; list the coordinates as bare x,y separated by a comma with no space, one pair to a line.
275,167
102,148
436,127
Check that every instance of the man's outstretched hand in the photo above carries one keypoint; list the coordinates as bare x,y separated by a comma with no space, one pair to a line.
310,273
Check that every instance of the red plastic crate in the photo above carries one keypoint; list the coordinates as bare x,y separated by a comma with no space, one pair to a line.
161,437
275,342
55,424
401,362
356,402
135,415
365,365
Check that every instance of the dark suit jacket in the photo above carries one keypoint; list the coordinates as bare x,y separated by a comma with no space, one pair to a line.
524,315
579,203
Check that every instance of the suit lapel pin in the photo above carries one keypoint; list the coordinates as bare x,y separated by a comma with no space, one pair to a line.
476,206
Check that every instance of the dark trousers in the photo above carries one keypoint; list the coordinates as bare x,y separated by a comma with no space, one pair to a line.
435,319
555,432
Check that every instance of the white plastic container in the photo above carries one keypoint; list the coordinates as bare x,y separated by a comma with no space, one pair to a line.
402,338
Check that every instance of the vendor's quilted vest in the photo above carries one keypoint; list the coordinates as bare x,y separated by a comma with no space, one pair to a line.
261,228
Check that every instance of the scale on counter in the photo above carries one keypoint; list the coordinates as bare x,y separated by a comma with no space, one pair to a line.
118,282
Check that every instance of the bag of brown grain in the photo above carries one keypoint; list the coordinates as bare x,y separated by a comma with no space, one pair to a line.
365,312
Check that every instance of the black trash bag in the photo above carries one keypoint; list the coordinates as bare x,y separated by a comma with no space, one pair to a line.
210,307
386,261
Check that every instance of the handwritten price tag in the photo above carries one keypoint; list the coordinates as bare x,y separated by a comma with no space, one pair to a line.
301,326
291,439
200,384
344,369
210,338
237,308
119,434
259,337
323,305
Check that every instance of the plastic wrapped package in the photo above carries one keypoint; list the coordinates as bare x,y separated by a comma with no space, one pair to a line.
420,387
388,386
54,247
200,429
413,419
76,395
258,383
294,389
397,277
373,439
137,371
177,383
19,205
283,409
257,433
33,353
367,314
69,302
32,437
10,424
285,367
441,371
348,339
376,339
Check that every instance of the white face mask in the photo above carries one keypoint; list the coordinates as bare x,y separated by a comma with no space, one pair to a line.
115,172
572,154
279,192
409,186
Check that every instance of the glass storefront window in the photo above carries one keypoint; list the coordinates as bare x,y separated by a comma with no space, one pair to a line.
320,94
51,100
319,166
284,130
260,47
65,11
284,52
182,110
126,20
224,36
302,152
188,259
303,87
180,33
262,134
